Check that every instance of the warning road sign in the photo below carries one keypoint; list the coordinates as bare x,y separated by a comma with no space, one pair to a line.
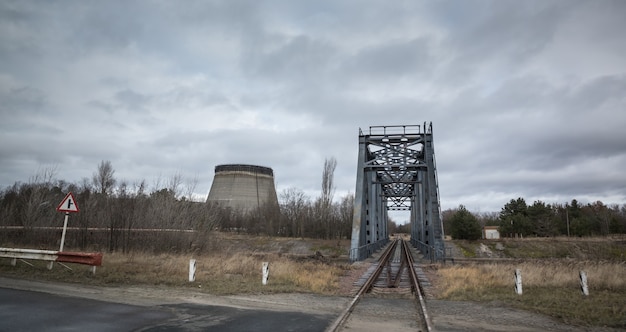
68,204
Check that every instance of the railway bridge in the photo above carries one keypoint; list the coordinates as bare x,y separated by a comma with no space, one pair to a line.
396,170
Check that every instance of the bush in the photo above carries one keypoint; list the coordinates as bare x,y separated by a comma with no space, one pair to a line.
464,225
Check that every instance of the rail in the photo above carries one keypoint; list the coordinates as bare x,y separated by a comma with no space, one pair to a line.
383,262
418,291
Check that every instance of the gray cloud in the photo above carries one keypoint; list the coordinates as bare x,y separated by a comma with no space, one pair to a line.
526,98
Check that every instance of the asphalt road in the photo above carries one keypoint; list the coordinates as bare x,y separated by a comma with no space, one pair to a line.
22,310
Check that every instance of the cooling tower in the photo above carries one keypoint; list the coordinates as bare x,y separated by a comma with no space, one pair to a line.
243,187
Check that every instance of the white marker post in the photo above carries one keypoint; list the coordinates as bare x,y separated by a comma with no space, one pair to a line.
68,204
266,272
583,283
192,270
518,281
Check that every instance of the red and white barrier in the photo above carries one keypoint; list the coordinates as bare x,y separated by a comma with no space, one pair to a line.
86,258
92,259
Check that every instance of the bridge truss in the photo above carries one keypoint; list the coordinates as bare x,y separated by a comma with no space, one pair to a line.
396,171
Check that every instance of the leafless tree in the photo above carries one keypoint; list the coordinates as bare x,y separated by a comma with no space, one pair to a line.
346,213
174,184
88,216
294,205
328,177
104,183
190,188
37,202
326,200
103,179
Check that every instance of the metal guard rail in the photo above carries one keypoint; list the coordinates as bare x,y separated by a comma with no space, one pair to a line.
367,250
429,251
85,258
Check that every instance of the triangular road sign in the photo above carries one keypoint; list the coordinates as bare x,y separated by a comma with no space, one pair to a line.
68,204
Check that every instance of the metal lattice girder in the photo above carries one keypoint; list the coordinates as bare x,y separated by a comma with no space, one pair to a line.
396,171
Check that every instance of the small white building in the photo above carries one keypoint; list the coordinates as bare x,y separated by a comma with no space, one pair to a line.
491,232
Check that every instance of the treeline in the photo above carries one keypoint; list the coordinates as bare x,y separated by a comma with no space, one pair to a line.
517,218
118,216
110,214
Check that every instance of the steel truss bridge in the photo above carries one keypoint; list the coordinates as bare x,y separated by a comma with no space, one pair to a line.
396,171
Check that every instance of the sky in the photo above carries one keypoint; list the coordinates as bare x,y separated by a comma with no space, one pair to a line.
526,98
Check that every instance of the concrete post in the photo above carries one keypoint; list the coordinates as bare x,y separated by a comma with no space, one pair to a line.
192,270
518,281
266,272
583,283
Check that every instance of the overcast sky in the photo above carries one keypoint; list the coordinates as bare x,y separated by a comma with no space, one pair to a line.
527,98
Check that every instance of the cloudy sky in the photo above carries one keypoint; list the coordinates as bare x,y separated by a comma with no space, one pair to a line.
527,98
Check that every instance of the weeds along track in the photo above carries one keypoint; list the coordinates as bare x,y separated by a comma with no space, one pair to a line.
390,287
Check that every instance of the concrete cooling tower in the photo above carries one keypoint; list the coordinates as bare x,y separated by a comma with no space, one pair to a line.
243,187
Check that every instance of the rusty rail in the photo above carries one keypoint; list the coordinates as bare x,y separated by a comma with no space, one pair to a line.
364,289
406,263
417,287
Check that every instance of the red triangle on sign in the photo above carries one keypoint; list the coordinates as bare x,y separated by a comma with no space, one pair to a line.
68,204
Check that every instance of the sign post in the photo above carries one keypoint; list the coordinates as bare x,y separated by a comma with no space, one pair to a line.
67,214
67,205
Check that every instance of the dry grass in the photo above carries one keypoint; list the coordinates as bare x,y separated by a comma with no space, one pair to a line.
611,248
550,287
602,276
217,273
232,265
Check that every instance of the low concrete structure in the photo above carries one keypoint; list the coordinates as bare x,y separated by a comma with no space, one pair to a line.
491,232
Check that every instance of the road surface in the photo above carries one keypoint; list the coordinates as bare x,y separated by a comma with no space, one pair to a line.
28,310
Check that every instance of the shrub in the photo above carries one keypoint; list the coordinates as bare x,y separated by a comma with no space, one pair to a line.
464,225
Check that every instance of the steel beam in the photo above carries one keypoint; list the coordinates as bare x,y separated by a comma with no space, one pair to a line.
396,171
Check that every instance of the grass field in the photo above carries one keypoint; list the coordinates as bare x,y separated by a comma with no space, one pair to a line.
551,288
550,272
232,266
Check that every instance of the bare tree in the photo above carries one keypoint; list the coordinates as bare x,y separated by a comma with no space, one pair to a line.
294,206
190,188
174,184
346,212
104,183
88,216
103,179
326,200
328,177
37,199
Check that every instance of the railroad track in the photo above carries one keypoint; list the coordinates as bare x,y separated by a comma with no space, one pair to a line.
393,277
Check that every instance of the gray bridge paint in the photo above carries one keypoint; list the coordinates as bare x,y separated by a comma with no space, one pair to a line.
396,170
